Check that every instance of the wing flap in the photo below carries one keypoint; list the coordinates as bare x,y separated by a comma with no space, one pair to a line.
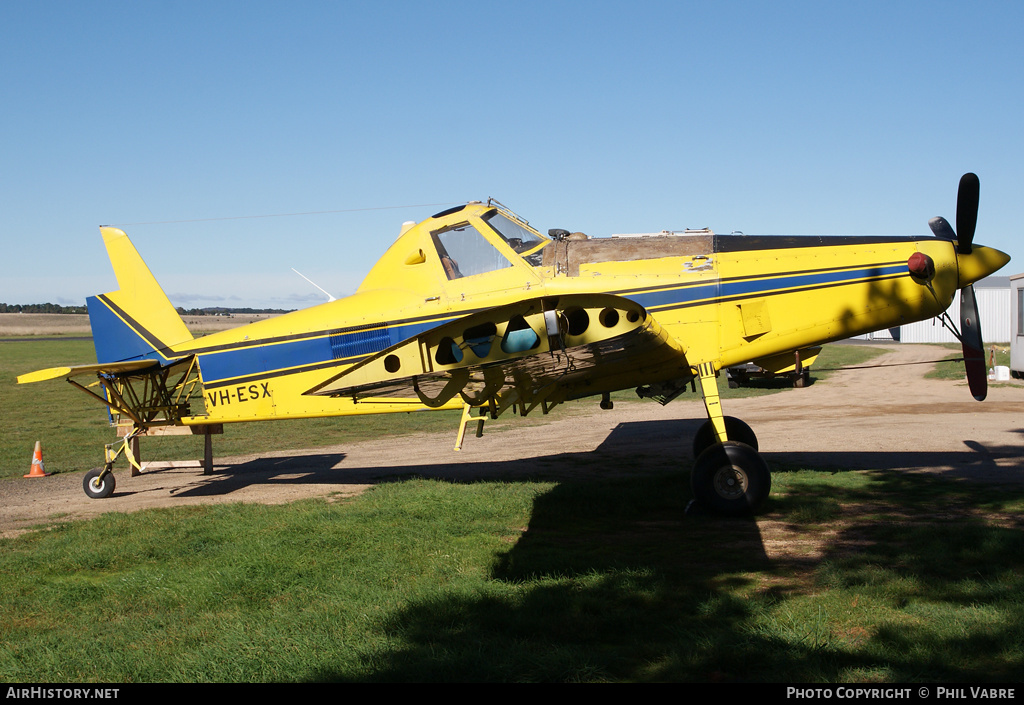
580,344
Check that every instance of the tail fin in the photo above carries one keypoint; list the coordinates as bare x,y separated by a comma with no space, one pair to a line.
137,321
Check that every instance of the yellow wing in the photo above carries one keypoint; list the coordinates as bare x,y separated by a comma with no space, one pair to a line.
546,349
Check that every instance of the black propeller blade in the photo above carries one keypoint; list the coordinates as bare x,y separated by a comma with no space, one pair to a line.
972,345
967,220
966,212
941,228
970,325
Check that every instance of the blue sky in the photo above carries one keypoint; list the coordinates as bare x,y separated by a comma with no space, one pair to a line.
182,121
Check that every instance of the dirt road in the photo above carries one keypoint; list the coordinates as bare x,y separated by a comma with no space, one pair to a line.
885,417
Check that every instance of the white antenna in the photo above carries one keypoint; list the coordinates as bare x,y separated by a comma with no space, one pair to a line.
329,297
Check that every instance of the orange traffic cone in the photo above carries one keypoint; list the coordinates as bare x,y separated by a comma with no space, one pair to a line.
37,463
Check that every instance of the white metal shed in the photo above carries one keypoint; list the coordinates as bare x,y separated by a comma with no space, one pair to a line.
993,295
1016,321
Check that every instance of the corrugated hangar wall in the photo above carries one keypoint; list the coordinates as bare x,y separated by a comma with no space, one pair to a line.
993,296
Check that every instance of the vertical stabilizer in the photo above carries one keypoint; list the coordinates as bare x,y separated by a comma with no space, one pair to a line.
138,320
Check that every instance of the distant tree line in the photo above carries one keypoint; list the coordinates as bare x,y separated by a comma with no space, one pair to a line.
57,308
219,311
40,308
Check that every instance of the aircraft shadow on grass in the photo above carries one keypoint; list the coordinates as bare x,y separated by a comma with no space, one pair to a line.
619,583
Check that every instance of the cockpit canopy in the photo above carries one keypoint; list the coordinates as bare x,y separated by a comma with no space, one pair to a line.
465,241
465,251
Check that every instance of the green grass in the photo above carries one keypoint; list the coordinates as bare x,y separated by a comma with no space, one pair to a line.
835,356
886,578
952,366
846,577
831,358
74,428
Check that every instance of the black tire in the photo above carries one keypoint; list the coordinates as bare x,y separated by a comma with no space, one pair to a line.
731,478
736,430
95,486
802,380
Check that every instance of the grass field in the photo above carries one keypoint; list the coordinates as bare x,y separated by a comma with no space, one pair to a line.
427,581
953,367
17,325
73,428
846,577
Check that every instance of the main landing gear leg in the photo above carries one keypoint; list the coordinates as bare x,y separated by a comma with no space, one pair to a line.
729,476
712,402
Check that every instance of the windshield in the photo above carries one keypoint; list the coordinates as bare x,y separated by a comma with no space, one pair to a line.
464,252
522,240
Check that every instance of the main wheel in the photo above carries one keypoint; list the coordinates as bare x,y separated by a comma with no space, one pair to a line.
98,483
734,428
731,478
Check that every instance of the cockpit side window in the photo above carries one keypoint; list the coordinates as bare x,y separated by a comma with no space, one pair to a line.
521,239
464,251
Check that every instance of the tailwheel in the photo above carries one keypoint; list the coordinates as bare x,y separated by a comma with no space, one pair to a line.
734,428
99,482
731,478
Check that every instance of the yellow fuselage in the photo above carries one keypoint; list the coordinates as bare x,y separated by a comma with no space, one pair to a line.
724,299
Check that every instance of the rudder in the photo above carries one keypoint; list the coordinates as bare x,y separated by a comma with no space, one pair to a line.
137,321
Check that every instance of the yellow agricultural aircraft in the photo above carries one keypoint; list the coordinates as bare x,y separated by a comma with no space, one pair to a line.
474,308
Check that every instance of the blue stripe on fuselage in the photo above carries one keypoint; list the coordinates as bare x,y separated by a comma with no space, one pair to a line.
800,281
243,362
668,298
297,354
251,360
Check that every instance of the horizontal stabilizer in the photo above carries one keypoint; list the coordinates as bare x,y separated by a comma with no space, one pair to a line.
109,368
